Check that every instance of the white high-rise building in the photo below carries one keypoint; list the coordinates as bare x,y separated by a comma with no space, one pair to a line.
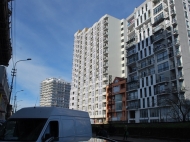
98,53
158,59
55,92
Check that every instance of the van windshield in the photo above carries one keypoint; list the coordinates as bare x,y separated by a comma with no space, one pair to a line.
22,129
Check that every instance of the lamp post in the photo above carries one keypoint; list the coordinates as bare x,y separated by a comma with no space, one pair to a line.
15,99
16,105
14,74
9,106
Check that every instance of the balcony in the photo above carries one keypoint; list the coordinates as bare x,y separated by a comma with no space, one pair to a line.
171,55
132,79
172,67
105,22
105,58
162,80
132,70
131,52
175,32
176,42
174,90
174,22
105,28
168,34
132,87
134,97
180,76
105,71
105,39
159,47
169,44
178,54
173,77
182,89
105,52
151,72
105,45
133,105
163,69
162,92
105,65
173,13
131,42
171,3
132,60
132,22
159,37
157,28
179,65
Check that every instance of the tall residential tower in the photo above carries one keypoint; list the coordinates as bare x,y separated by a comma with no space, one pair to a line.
158,59
55,92
98,53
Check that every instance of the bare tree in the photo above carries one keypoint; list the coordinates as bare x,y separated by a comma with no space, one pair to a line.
179,108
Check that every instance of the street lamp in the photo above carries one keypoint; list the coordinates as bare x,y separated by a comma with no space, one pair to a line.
14,74
15,99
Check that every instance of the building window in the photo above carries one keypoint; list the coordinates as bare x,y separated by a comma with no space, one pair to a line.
144,16
154,112
184,5
138,46
149,49
144,92
163,67
148,104
162,56
142,44
143,103
142,82
186,16
151,79
160,16
146,6
146,81
153,101
158,9
145,52
187,24
143,113
188,33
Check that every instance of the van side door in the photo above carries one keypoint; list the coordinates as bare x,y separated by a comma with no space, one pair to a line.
51,130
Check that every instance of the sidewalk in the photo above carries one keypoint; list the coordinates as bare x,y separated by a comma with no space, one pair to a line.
120,139
130,139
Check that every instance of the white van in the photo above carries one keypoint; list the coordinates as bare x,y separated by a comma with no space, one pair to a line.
45,124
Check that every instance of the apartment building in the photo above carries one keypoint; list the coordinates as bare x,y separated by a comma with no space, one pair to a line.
55,92
98,52
116,100
158,58
4,93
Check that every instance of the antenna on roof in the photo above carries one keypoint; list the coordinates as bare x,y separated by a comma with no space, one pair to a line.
36,102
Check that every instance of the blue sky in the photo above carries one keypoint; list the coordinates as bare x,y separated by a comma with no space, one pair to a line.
44,31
